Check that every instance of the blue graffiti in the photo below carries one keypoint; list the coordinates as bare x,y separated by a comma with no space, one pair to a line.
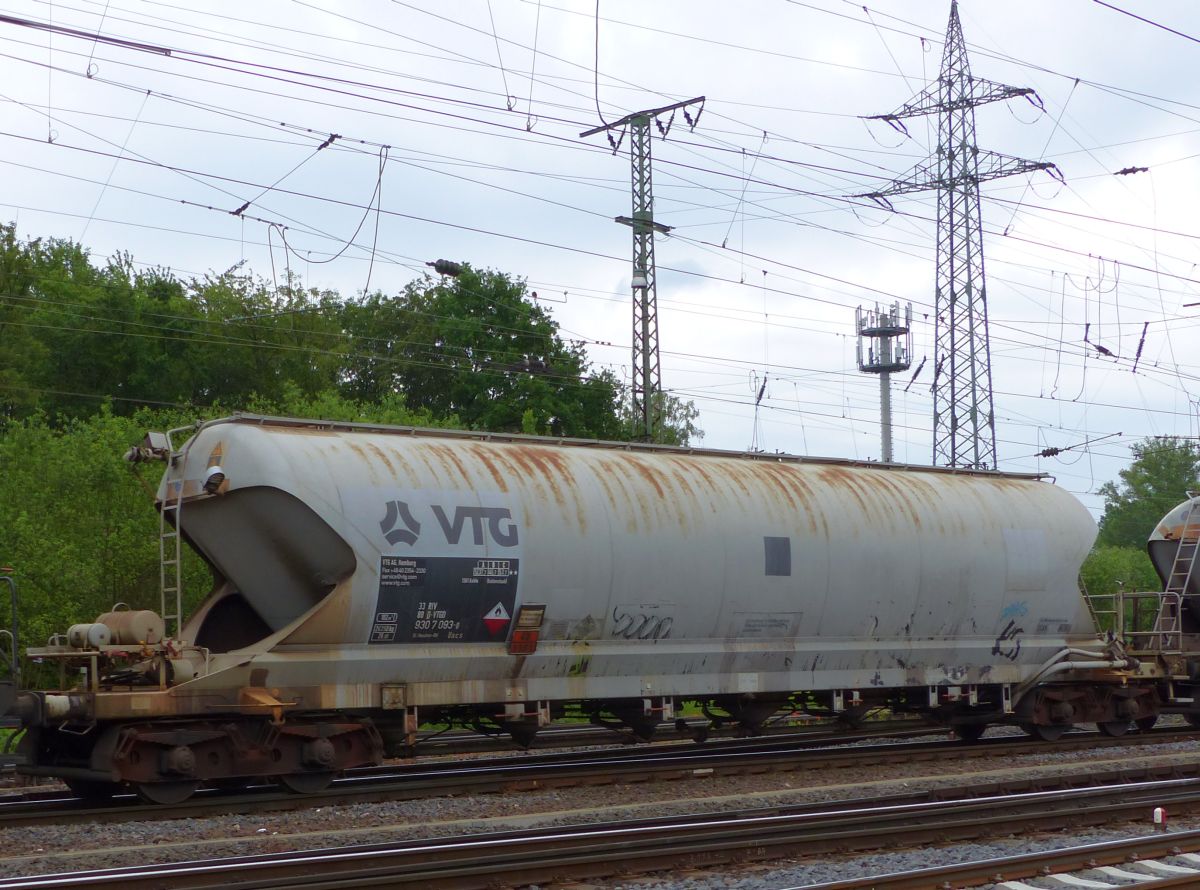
1015,610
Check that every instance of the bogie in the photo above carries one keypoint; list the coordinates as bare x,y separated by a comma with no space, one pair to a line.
91,790
969,732
305,783
1046,732
1114,728
166,764
166,793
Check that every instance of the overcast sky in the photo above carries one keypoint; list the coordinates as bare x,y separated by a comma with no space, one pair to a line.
475,107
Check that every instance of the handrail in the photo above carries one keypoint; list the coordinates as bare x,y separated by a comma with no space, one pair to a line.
14,665
1158,635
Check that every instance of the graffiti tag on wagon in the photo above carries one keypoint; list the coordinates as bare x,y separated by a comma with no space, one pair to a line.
640,625
1008,643
400,525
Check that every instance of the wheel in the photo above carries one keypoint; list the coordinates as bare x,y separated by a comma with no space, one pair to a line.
92,790
166,793
1114,728
1047,733
522,736
644,729
305,783
969,732
232,784
1145,724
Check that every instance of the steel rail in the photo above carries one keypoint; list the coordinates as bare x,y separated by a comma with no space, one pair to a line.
1142,773
448,776
517,858
564,769
797,740
1032,865
437,744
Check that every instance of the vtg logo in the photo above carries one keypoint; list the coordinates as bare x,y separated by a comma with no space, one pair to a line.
398,510
499,524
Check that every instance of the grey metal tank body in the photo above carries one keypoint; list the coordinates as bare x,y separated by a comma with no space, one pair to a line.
371,557
1181,524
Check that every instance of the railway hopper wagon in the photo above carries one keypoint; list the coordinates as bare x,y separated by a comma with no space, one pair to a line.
1163,627
370,579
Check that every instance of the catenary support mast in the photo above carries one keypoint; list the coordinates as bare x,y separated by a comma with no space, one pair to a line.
647,374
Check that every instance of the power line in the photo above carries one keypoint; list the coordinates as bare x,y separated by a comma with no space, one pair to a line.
1148,21
593,253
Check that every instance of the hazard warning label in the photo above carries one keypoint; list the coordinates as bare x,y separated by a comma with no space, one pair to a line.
496,620
444,599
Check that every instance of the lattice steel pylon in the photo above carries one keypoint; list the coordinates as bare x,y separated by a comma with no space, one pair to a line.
647,375
964,424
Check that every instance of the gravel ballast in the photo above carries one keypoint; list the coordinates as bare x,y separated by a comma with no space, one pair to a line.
47,849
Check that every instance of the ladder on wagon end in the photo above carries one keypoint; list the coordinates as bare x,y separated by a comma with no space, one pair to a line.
170,559
1182,569
170,540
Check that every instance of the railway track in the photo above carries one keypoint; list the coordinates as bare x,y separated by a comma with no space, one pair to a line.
560,769
438,744
559,741
600,850
1114,860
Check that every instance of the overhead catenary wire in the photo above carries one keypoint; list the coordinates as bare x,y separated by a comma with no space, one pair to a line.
113,168
593,253
378,216
1148,21
846,377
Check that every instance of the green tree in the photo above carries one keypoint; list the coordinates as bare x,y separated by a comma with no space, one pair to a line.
676,423
471,350
77,525
19,346
74,332
476,347
332,405
256,340
1112,569
1162,472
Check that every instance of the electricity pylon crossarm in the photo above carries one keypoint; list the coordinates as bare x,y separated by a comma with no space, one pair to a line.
964,428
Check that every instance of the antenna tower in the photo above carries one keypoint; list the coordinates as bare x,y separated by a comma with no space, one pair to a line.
647,376
887,336
964,425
